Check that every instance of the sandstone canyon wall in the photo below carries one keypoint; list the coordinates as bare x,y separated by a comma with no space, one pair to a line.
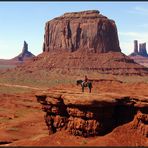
92,114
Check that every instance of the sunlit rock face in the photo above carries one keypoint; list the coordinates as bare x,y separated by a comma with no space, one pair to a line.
92,114
86,30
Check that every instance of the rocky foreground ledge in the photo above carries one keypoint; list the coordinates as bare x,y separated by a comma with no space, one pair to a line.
92,114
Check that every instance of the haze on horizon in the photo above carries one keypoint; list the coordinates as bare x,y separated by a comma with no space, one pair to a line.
26,21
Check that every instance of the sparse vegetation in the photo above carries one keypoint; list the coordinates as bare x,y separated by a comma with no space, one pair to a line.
7,66
4,120
23,112
41,79
84,142
46,80
13,129
12,90
133,79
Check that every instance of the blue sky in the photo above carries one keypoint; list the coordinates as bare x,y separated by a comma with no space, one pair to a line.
21,21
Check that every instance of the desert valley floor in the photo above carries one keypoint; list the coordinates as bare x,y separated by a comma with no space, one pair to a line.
22,119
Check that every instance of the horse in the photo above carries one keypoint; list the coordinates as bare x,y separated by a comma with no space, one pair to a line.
85,84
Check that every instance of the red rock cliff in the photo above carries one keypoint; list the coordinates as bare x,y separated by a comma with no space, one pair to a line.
91,114
87,30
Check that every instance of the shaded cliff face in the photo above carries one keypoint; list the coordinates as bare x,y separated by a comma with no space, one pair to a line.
87,30
142,50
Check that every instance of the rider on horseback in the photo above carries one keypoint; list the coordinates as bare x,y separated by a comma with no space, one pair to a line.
85,80
85,83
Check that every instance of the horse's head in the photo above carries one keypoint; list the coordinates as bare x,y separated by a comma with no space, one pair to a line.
78,82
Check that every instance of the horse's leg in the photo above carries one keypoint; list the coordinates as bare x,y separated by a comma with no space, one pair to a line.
82,85
90,86
82,88
90,90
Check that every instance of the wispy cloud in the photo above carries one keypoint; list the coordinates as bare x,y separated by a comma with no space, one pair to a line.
126,47
127,38
131,34
139,10
141,36
143,25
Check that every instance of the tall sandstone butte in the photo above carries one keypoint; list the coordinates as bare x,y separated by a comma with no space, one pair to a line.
87,30
93,45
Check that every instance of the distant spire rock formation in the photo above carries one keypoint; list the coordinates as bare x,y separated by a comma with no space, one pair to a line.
142,49
25,47
25,54
135,46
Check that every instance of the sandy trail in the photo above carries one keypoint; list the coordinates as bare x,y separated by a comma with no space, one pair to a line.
20,86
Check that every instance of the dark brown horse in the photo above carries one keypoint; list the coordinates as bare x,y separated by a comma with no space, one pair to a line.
85,84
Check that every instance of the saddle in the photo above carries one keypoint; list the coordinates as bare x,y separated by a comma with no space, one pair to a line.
85,84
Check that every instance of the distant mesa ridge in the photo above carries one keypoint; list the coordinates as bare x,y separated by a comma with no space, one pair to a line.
142,49
25,54
82,42
85,30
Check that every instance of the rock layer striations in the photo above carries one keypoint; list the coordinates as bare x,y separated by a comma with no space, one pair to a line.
90,114
88,30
